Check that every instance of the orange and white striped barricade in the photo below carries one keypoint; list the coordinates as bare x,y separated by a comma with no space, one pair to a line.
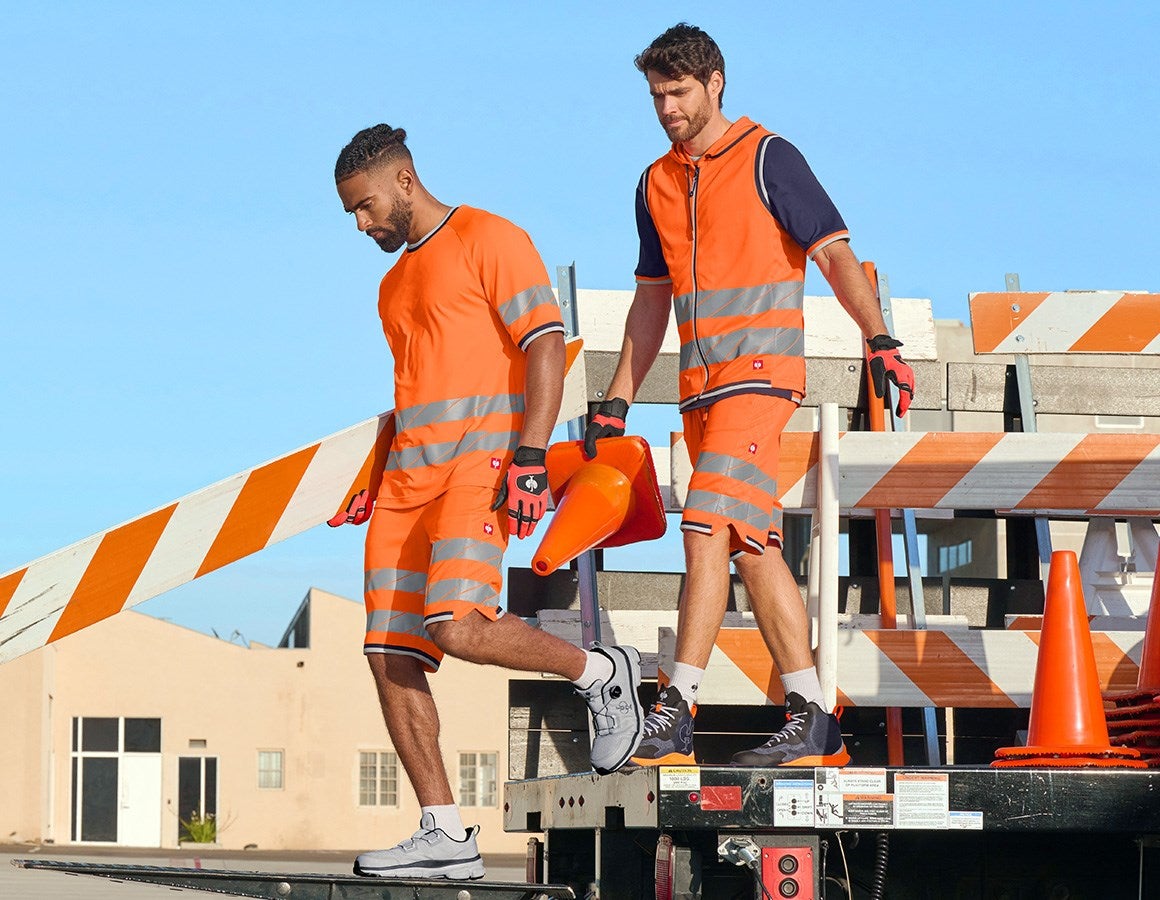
1088,474
116,569
1025,323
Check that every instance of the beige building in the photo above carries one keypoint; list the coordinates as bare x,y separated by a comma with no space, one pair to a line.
116,733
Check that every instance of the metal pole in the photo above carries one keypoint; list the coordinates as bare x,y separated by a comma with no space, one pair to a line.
1030,426
827,661
910,534
586,562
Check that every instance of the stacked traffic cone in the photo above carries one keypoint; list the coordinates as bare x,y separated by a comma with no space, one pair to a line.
1134,716
1067,727
610,500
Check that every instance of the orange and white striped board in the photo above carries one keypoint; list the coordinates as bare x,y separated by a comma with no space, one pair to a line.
103,574
956,667
1098,474
116,569
1066,322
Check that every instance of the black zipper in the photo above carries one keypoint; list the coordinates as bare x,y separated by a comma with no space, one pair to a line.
696,289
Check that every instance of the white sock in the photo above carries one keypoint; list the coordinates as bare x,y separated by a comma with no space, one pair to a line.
597,667
686,679
806,684
447,819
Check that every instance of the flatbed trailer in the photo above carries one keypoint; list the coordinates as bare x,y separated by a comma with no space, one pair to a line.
961,832
304,886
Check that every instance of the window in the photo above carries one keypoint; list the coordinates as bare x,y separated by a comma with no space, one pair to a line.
955,556
378,778
270,769
477,781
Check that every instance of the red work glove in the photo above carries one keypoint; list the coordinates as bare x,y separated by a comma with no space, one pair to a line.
357,511
525,491
887,365
607,421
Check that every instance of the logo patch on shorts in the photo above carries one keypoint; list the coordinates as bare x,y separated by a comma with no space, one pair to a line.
758,364
753,448
488,528
495,462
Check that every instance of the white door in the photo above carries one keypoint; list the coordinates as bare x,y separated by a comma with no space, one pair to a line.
139,816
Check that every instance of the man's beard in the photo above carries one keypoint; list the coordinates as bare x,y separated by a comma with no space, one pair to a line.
393,235
688,129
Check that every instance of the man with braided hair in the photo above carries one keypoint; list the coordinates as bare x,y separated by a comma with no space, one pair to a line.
477,341
727,219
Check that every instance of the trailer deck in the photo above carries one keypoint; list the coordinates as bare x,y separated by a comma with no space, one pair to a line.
298,886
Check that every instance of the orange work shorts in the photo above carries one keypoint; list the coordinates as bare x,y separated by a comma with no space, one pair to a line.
432,563
734,446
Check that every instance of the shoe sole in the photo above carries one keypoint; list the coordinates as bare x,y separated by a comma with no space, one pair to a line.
828,760
633,659
467,872
669,759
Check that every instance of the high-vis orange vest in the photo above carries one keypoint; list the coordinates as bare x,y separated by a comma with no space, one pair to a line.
738,272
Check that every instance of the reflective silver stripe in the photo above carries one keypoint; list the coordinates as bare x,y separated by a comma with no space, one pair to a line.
748,301
395,580
457,409
467,548
729,508
739,469
433,454
744,342
396,622
466,590
511,310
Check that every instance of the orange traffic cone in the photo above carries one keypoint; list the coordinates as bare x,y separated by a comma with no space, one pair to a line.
607,501
1067,727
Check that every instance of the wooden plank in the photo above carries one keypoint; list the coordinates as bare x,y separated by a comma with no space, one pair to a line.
1117,388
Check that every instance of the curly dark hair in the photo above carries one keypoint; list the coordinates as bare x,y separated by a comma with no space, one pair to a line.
684,50
371,147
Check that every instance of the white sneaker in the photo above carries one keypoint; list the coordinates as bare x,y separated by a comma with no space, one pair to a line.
617,714
429,853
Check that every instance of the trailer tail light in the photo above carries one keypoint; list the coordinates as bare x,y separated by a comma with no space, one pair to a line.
663,868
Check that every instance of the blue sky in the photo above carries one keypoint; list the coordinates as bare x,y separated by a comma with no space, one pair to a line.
183,297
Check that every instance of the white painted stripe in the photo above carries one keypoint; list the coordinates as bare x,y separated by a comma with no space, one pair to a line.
1007,657
1153,346
1058,322
40,598
1009,471
865,458
329,476
870,678
1140,488
183,545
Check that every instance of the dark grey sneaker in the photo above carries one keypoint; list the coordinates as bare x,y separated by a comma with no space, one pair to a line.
429,853
617,713
811,737
668,732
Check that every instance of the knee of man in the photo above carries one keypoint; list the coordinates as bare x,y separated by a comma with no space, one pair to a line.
447,635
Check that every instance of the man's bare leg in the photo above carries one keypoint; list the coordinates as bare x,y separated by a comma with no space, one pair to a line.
705,596
812,735
413,724
778,609
509,642
606,677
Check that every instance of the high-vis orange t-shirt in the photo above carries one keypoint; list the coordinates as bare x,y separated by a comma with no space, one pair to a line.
459,310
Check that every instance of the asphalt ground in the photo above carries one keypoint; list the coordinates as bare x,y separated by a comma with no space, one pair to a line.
33,884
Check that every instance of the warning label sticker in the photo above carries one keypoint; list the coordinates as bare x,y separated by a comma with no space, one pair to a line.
921,800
